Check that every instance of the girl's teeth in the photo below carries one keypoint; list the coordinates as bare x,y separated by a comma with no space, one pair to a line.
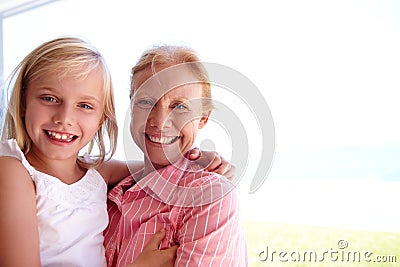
63,137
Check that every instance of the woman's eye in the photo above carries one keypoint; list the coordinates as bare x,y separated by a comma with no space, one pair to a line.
181,107
144,103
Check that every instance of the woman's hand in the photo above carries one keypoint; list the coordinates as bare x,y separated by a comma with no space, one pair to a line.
213,162
151,256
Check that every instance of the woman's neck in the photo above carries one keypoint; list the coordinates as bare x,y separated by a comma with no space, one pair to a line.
150,167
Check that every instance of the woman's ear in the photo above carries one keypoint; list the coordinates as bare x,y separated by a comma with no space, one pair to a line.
204,119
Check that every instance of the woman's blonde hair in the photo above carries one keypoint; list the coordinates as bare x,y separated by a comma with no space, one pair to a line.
62,56
171,55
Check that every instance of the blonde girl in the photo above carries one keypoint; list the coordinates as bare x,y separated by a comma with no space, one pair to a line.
53,203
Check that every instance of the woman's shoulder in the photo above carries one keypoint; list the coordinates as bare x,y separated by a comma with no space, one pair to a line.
195,175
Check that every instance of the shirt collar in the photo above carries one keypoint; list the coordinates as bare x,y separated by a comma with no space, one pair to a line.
163,184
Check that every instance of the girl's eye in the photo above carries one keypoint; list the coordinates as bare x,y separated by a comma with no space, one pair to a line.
85,106
49,99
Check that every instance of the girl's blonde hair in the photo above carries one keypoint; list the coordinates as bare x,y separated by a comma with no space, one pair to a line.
171,55
62,56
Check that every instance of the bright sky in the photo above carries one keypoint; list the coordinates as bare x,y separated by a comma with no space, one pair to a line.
329,71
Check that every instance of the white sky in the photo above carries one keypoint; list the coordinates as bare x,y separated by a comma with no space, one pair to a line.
329,70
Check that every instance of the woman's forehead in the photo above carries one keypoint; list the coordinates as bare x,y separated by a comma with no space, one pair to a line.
176,77
186,91
166,76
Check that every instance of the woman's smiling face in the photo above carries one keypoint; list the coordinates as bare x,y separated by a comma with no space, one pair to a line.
166,116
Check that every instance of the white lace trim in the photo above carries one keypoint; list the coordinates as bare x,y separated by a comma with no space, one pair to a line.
90,189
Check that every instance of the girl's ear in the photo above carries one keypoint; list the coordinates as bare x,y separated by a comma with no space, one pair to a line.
102,120
204,119
23,102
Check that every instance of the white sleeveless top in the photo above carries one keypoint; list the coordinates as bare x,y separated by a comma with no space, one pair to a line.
71,218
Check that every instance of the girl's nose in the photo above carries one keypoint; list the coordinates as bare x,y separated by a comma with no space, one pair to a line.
64,115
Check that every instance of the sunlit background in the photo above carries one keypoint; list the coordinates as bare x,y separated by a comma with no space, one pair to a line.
329,71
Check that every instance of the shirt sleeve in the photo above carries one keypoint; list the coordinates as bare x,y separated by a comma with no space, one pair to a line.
211,234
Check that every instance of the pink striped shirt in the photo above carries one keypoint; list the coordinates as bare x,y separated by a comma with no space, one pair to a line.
199,211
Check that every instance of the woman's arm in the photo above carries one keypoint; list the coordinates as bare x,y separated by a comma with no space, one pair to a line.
19,238
114,171
213,162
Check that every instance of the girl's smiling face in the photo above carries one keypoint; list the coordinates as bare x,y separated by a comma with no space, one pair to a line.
165,121
62,115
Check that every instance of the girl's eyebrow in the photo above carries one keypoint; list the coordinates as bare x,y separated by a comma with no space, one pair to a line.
91,98
46,89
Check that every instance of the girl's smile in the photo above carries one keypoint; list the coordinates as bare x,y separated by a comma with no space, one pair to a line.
60,137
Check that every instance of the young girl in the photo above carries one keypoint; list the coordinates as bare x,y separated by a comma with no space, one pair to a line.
53,203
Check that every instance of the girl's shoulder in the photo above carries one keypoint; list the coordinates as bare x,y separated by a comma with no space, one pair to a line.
14,167
11,152
9,148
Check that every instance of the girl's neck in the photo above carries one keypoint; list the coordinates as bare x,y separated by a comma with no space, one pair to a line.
67,170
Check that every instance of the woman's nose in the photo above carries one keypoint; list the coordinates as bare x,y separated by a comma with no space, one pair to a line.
159,117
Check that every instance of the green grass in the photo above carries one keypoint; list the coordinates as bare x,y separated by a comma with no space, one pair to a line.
302,239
